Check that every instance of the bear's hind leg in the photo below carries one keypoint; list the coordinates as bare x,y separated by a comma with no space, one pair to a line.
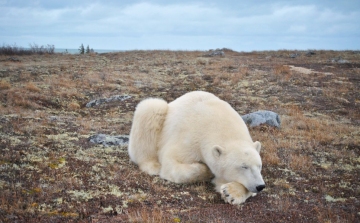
150,167
185,173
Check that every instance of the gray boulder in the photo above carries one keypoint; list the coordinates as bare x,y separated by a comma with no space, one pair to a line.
339,60
107,140
213,53
262,117
107,100
310,53
343,61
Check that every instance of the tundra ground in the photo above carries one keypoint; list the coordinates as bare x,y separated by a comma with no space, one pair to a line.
50,172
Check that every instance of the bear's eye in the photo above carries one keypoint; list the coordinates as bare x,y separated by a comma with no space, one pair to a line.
245,167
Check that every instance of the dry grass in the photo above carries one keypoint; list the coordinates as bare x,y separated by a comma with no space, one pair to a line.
50,172
270,156
301,163
282,70
32,87
4,85
149,216
74,106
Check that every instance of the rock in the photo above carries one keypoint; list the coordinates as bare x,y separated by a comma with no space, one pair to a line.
108,140
294,55
262,117
339,60
107,100
273,89
54,118
310,53
213,53
14,59
343,61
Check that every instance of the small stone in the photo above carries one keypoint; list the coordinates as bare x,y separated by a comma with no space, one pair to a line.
108,140
54,118
100,101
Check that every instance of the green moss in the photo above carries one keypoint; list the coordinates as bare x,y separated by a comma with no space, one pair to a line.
81,194
32,191
108,209
2,162
63,214
57,163
114,190
3,184
328,198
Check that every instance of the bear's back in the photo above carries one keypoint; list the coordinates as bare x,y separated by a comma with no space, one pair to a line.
202,113
192,98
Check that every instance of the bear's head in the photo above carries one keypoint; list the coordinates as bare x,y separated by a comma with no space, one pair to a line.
240,163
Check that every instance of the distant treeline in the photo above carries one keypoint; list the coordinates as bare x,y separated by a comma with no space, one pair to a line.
34,49
83,51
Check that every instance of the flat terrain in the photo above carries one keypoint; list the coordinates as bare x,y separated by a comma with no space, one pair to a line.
50,172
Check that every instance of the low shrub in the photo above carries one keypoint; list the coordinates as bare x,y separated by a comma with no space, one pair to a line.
7,49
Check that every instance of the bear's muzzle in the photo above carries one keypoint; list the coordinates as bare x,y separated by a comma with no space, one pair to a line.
260,187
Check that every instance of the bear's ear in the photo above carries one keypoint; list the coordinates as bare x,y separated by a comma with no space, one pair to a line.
257,145
217,151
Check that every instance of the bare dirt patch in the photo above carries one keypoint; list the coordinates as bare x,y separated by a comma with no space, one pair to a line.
50,172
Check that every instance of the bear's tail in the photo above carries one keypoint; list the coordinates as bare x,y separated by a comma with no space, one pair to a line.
145,131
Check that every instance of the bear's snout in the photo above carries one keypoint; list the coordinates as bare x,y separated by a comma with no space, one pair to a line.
260,187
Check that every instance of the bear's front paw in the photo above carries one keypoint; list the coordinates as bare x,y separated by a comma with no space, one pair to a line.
234,193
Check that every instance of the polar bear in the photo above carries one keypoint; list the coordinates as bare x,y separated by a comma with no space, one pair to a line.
195,138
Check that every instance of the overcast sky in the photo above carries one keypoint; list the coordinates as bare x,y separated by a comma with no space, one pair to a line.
182,25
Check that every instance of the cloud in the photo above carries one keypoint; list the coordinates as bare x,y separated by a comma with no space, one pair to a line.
153,19
293,11
146,23
297,29
170,11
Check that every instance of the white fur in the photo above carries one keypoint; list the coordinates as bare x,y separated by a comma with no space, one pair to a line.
194,138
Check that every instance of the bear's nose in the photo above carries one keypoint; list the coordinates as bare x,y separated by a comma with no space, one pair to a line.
260,187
